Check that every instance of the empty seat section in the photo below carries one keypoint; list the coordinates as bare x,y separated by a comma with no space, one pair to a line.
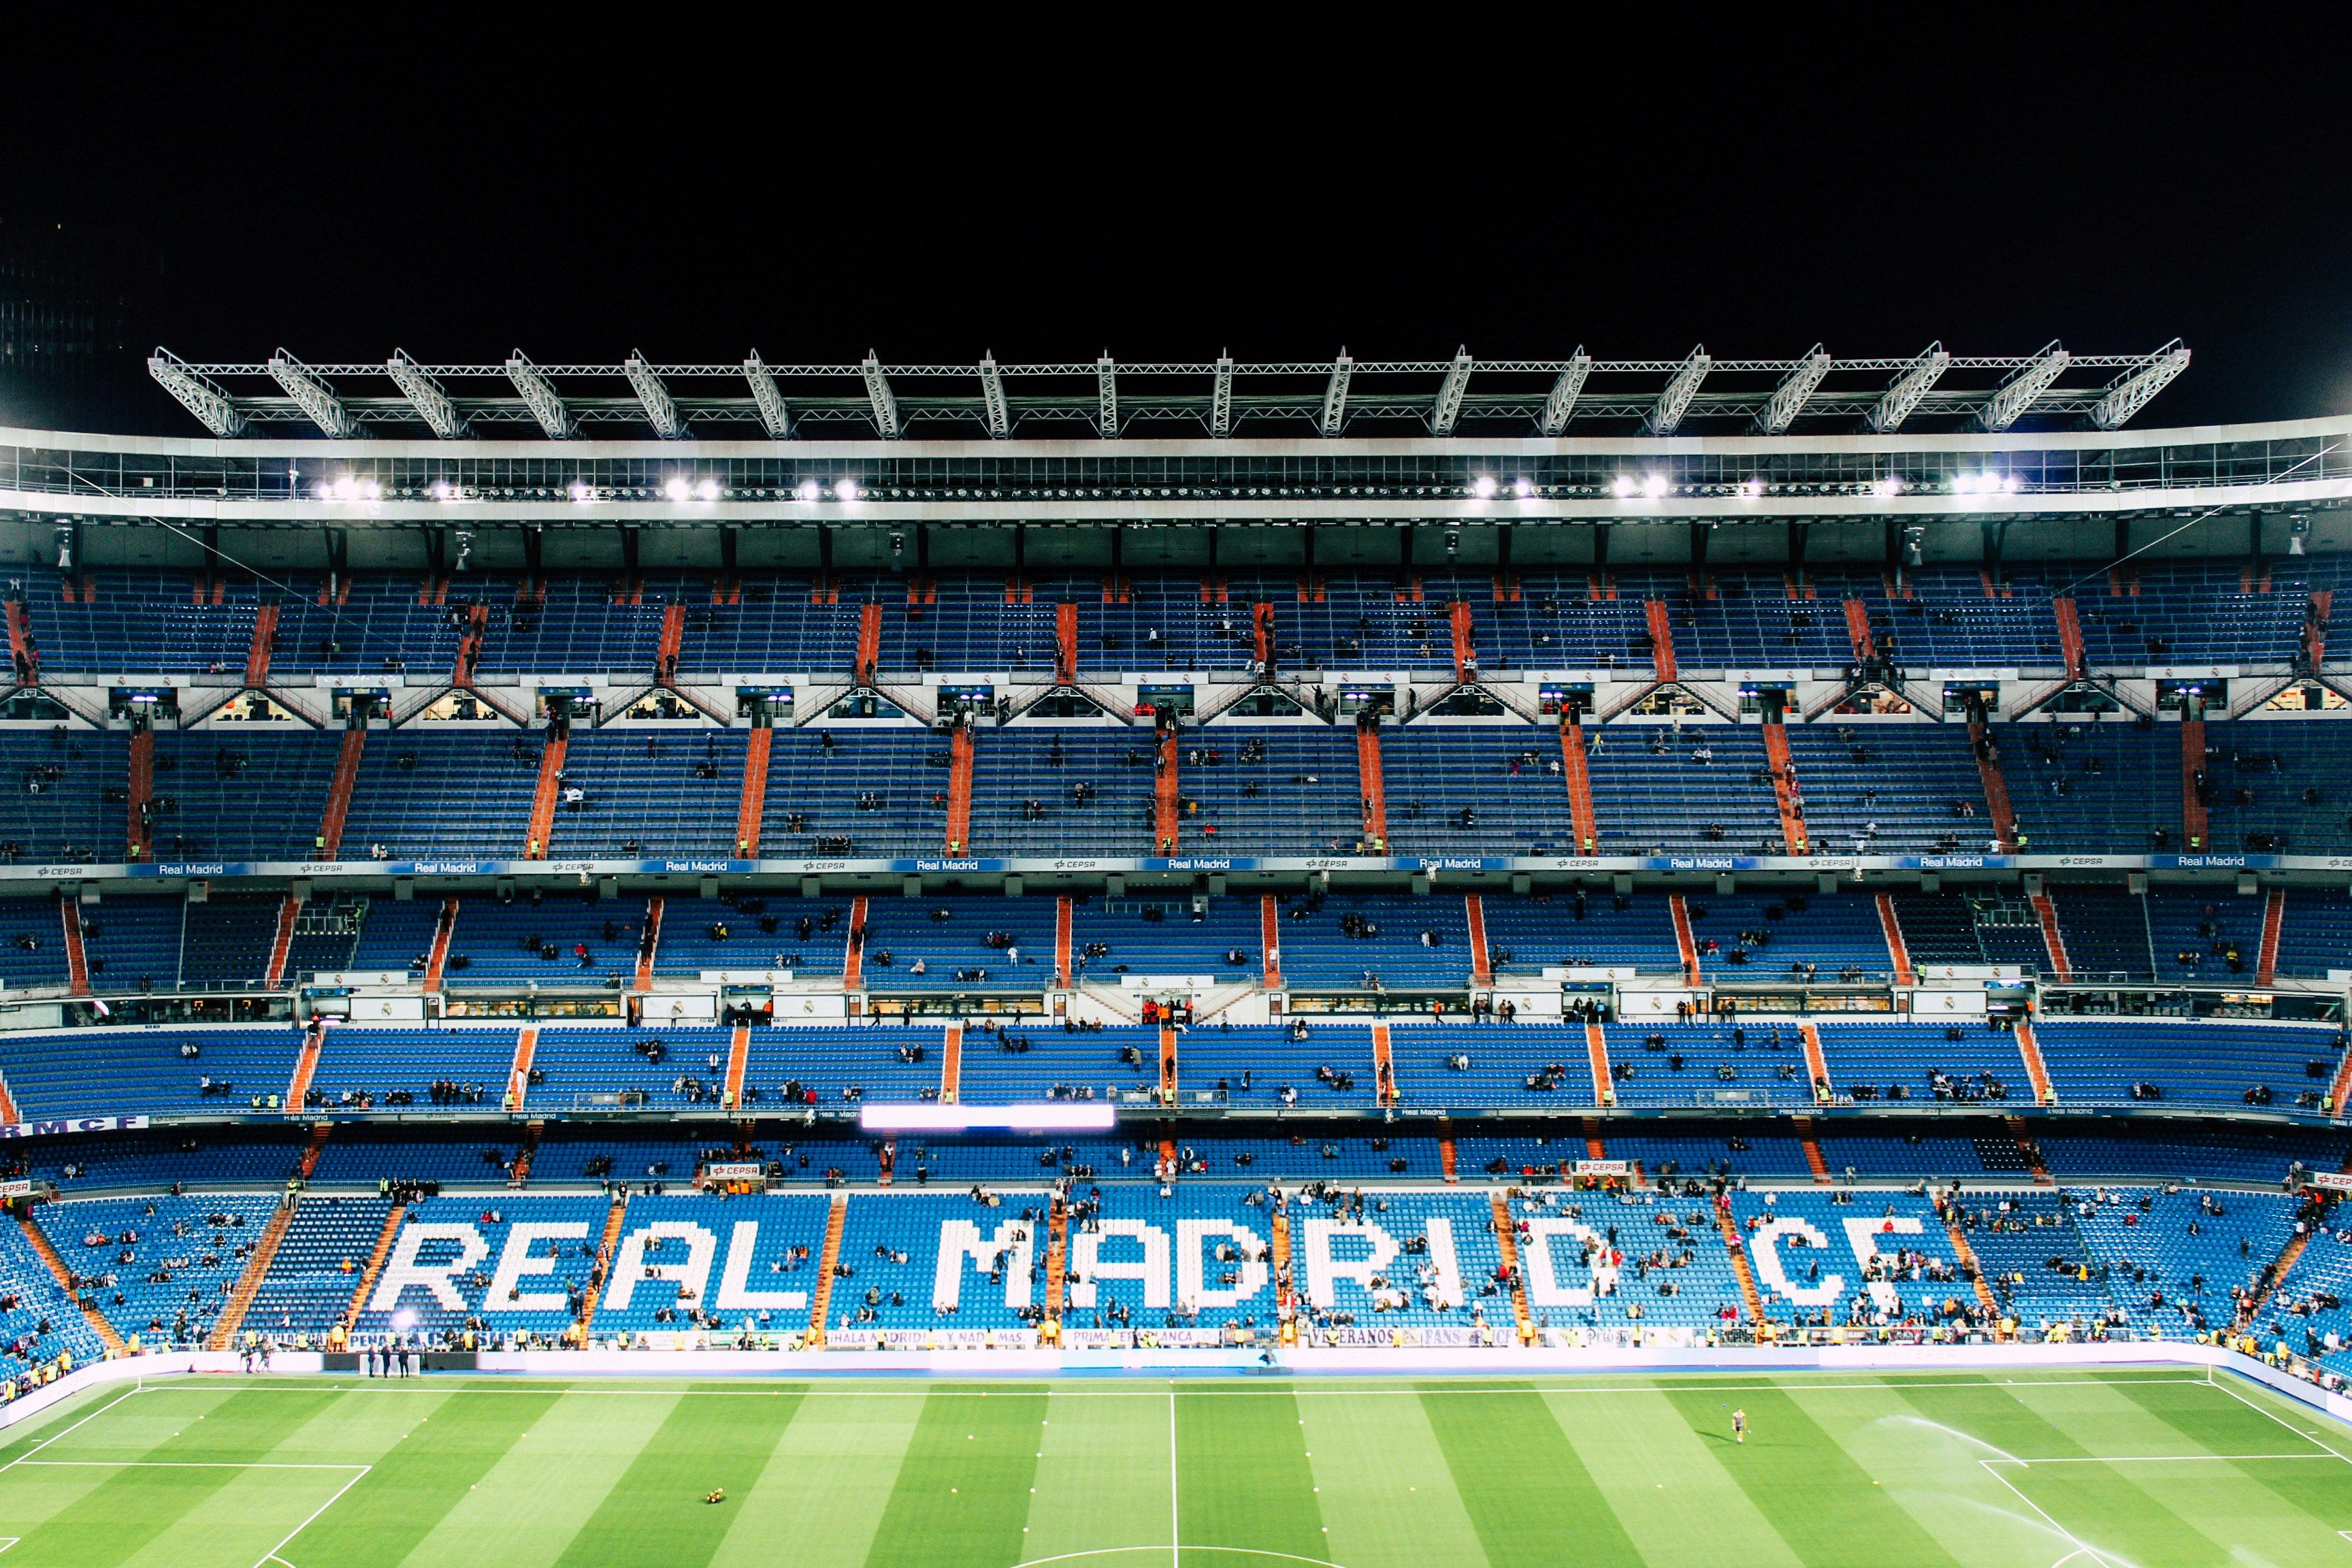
2212,1065
140,621
2173,1259
365,1068
775,625
1706,1063
1491,1066
1055,789
581,1066
1581,930
312,1279
168,1264
1939,929
2280,786
2106,931
1508,781
207,1157
560,939
2086,789
371,623
573,626
32,943
242,794
1000,944
224,941
2315,932
1890,789
1331,1068
65,795
1943,1062
1162,933
1347,941
363,1154
807,936
133,944
129,1072
397,934
651,793
423,794
1657,790
817,779
1558,623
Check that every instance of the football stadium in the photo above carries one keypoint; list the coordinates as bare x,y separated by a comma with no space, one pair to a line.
1466,961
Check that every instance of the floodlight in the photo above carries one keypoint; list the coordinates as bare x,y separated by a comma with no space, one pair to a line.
1964,484
845,489
809,490
444,491
371,490
707,490
2012,484
1523,488
581,493
676,489
1483,487
1654,486
1887,487
1753,489
1624,486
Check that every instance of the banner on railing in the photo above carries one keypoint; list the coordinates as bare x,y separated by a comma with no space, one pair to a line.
70,1124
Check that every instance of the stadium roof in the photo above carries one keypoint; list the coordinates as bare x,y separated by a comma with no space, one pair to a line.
1436,397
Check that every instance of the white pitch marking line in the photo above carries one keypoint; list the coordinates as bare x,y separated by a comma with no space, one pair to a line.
1175,1517
271,1555
2280,1419
946,1390
182,1465
2156,1459
2081,1548
75,1426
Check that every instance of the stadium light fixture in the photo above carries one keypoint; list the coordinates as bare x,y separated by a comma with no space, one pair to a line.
1654,486
846,491
808,490
1911,385
425,396
1525,489
661,409
443,490
879,396
1483,487
1674,402
1561,402
678,490
314,396
1887,488
2011,399
1789,397
1050,1117
196,393
1334,394
773,415
1448,408
2130,393
581,493
1753,489
1625,487
539,396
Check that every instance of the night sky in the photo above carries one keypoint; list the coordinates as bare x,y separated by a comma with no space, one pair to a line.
1165,187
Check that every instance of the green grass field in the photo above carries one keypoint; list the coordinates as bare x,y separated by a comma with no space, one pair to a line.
2130,1469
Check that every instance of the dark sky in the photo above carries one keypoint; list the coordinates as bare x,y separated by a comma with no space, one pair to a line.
1174,188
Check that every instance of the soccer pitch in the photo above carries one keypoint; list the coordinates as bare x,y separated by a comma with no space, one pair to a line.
2126,1468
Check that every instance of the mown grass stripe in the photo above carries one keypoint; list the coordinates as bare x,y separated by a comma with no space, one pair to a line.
1243,1479
2316,1490
962,1492
1807,1486
654,1516
384,1517
113,1521
825,1487
1527,1494
1657,1476
551,1481
1102,1481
